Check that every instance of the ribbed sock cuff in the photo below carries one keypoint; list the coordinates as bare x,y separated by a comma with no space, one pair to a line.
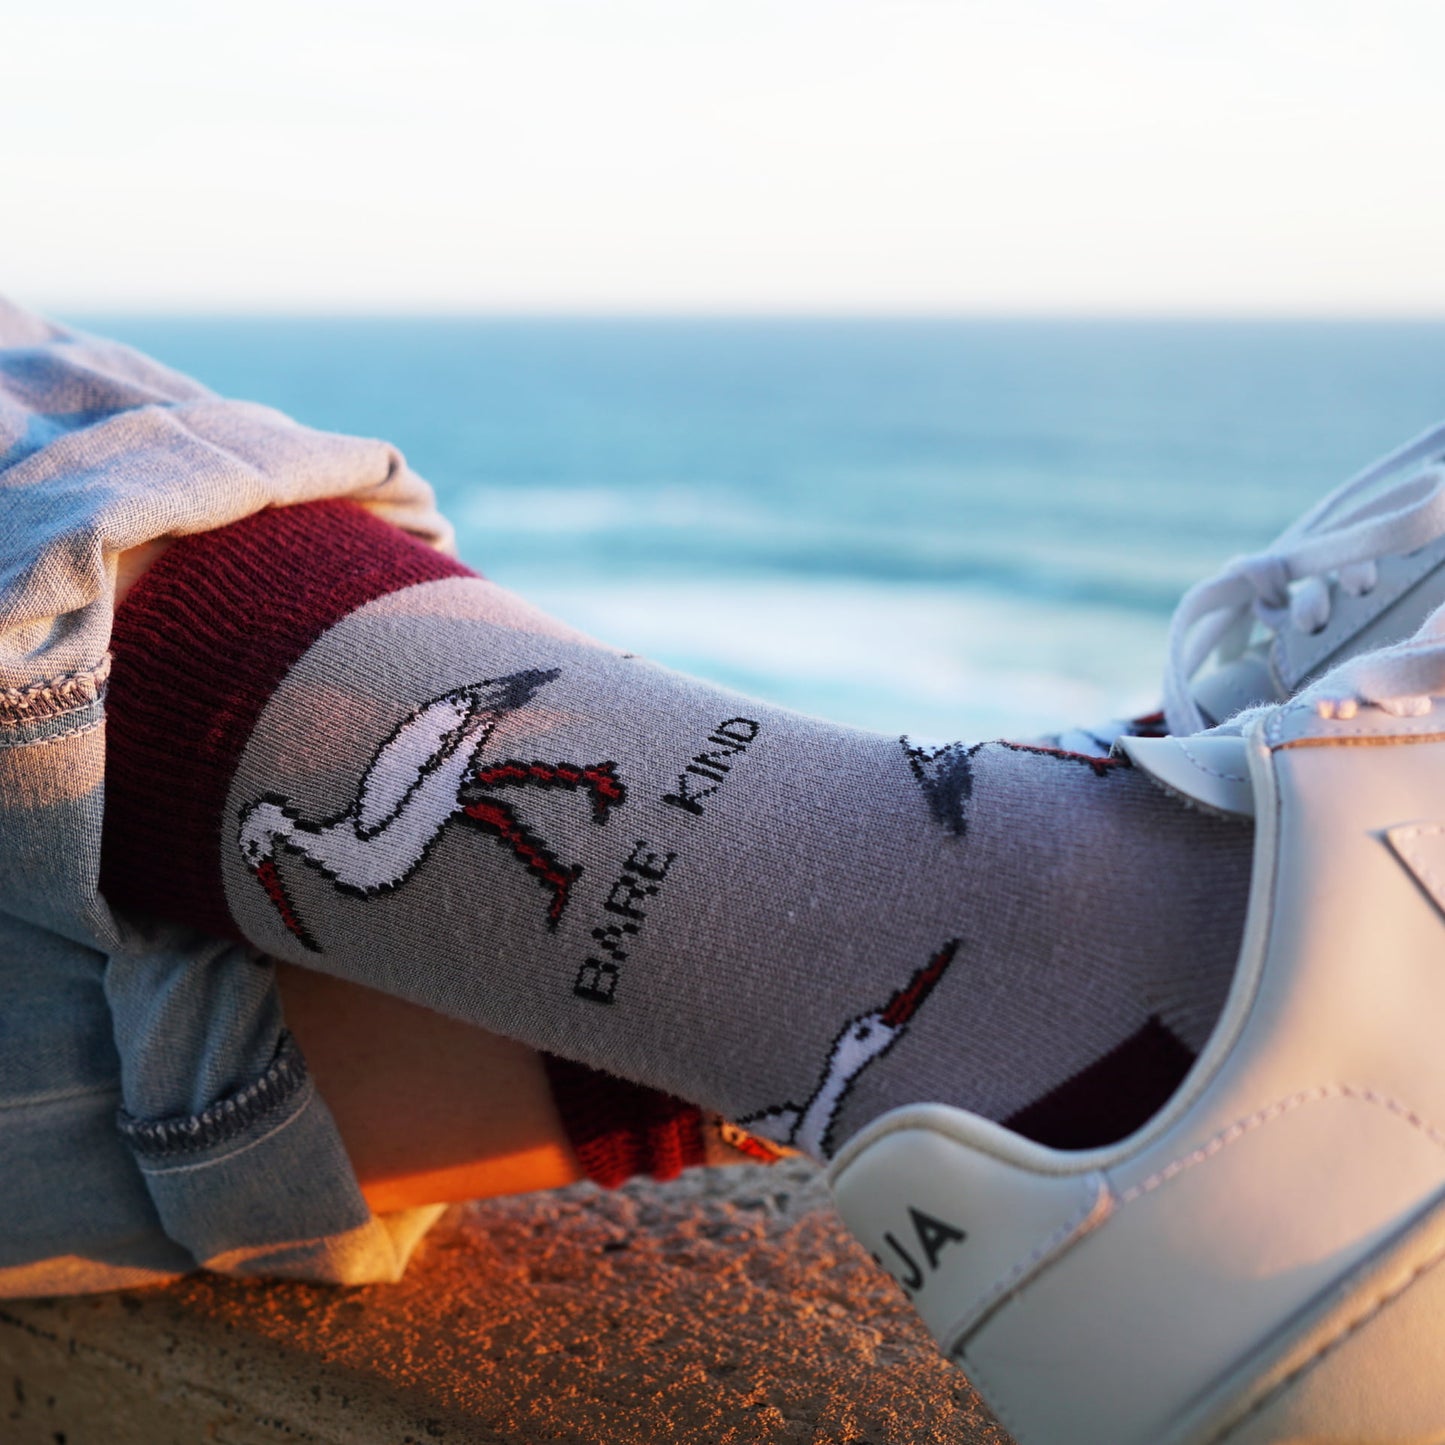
200,644
618,1129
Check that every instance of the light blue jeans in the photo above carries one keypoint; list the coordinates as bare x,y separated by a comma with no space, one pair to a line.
154,1114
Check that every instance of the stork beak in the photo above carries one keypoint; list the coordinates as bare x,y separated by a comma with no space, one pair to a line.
518,688
907,1001
269,877
486,702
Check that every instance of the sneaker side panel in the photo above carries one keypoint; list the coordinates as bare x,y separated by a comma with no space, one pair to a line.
1367,1365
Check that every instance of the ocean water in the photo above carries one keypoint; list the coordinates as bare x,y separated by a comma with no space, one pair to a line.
950,528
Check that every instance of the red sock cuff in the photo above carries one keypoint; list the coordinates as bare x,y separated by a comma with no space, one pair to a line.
618,1129
199,646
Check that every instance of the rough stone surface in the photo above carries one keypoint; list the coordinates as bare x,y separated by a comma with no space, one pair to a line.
727,1308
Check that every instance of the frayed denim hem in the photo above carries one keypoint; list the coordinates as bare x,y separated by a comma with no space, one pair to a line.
58,696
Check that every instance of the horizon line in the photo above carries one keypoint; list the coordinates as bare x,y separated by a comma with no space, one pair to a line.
741,314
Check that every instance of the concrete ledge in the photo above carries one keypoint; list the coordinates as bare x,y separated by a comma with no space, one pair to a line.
725,1309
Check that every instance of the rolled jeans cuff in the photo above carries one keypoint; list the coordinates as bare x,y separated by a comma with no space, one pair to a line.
259,1183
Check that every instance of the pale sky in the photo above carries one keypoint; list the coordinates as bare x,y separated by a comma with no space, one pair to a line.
1119,156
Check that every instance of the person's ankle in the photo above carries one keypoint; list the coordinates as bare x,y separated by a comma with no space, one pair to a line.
132,564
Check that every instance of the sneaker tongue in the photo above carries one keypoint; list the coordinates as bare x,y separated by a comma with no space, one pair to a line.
1211,771
1245,681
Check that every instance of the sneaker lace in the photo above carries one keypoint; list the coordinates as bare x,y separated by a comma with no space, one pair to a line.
1289,583
1403,680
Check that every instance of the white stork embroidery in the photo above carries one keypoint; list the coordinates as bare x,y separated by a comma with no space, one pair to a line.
423,776
860,1042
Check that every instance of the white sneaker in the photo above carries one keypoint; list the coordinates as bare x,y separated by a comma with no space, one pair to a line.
1262,1261
1361,570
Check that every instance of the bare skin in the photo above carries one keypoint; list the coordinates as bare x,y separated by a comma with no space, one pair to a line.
130,564
431,1111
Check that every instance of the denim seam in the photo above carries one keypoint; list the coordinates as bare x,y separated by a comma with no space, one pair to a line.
167,1171
228,1118
65,737
62,694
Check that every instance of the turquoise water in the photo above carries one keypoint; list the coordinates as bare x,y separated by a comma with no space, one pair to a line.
945,527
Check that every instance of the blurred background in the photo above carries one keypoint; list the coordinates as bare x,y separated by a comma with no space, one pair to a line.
897,360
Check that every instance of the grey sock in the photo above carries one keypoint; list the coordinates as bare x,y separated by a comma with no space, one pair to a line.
453,798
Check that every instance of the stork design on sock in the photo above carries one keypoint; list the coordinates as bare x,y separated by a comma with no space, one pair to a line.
860,1042
425,775
430,772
